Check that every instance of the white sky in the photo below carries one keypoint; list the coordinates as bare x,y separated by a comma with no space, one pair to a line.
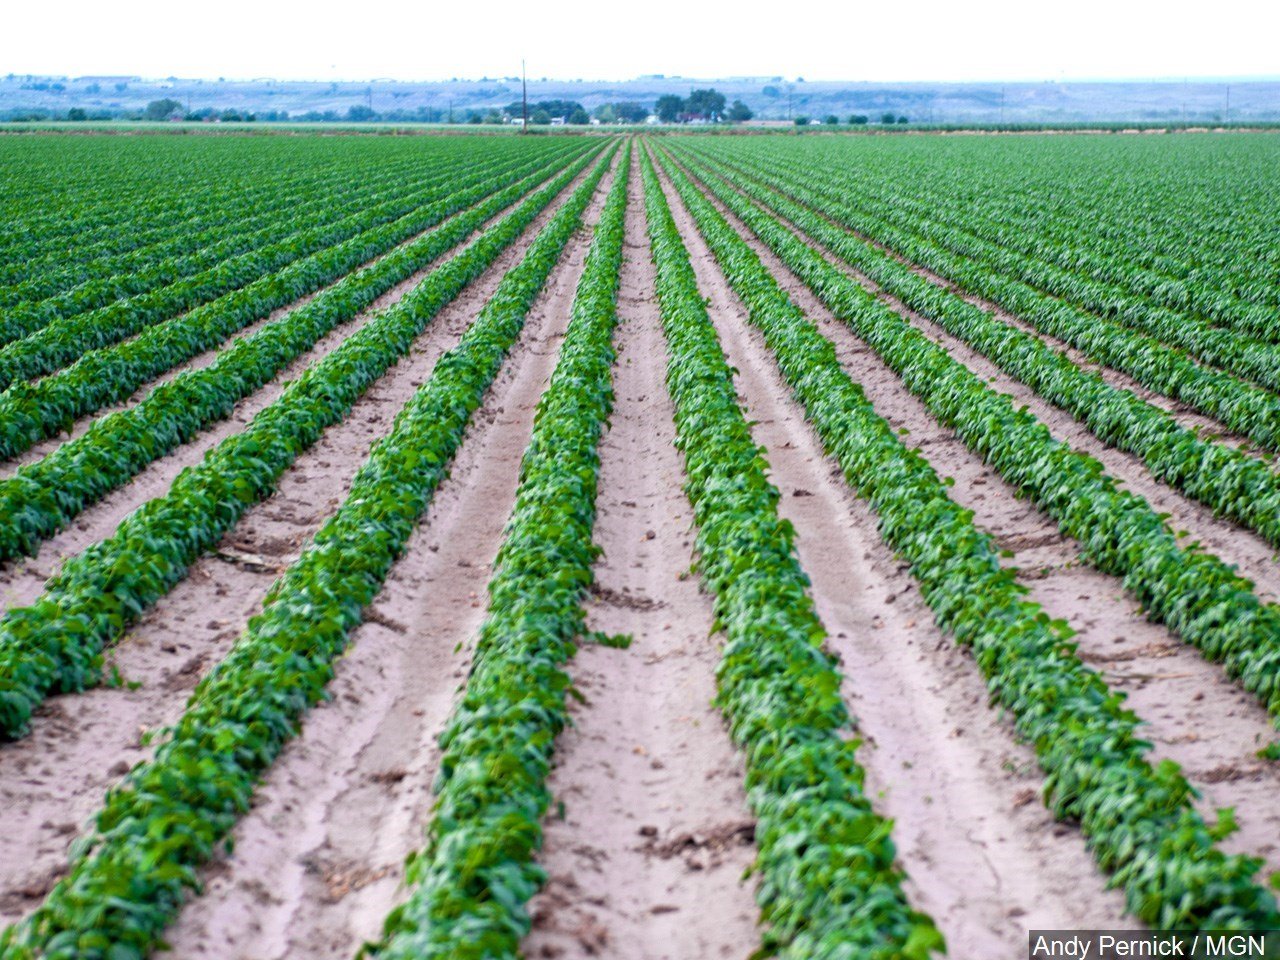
570,39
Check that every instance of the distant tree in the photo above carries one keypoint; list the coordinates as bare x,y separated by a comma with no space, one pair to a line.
93,88
628,111
231,116
705,104
540,117
579,117
771,91
831,120
558,108
474,116
802,121
859,119
121,87
75,113
887,118
161,109
605,113
361,114
903,120
493,116
740,112
669,108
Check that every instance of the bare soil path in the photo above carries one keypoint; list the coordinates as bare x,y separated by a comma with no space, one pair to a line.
646,862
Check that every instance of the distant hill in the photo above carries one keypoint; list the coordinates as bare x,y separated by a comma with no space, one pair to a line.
26,96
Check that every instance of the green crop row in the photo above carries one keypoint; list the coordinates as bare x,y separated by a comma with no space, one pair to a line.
30,412
90,193
56,643
468,887
246,209
1223,478
830,886
1238,404
42,497
1187,222
170,814
1232,351
1061,244
280,218
1194,593
1138,820
97,196
65,340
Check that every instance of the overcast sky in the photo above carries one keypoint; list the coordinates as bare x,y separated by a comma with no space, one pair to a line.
570,39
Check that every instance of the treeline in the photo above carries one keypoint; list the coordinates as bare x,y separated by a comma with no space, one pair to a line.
856,120
701,106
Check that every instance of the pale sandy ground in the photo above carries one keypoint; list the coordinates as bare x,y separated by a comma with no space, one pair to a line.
647,859
82,743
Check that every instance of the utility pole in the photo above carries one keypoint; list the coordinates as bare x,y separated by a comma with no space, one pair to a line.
451,110
524,99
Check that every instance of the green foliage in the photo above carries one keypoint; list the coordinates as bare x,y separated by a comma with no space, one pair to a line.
56,643
1139,820
43,497
162,109
993,271
1198,596
468,887
169,815
705,104
669,108
830,887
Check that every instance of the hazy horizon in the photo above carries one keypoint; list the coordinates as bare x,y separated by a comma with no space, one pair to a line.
984,41
695,78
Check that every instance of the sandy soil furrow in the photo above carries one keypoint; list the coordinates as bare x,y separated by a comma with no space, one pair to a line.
52,780
271,390
646,855
318,863
1195,714
984,857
